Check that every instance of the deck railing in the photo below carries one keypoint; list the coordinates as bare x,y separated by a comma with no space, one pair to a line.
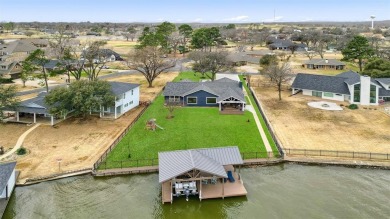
341,154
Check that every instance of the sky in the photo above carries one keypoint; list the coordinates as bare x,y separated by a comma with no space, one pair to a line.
181,11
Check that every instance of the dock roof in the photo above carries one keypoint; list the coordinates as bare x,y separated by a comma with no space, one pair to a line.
209,160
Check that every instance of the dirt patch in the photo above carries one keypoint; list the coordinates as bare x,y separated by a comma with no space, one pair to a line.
9,134
78,143
299,126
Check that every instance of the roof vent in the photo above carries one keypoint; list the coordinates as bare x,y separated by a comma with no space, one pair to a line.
326,61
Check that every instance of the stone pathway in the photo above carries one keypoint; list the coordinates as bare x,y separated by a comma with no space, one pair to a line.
19,143
259,127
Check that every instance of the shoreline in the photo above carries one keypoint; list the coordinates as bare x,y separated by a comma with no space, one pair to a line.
247,164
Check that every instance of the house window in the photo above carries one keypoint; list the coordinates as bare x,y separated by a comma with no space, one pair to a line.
132,92
124,96
372,94
327,94
192,100
211,100
131,102
3,67
172,99
126,104
316,93
356,93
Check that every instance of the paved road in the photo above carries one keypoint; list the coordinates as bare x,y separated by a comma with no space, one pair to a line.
178,67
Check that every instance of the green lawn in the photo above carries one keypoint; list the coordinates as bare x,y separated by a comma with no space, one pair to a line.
189,75
267,132
192,127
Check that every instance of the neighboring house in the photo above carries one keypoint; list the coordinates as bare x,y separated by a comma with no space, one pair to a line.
41,43
242,58
224,93
126,98
323,64
10,56
282,44
202,172
110,55
7,179
348,86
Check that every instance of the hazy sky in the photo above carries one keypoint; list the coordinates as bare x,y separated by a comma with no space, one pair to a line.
192,10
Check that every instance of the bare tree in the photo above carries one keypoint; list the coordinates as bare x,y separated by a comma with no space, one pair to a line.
149,62
94,59
210,63
171,106
174,40
279,75
241,48
310,54
59,42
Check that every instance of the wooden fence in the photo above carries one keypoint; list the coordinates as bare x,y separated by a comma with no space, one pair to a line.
118,139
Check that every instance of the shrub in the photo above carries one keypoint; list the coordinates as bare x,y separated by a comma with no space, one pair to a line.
21,151
6,80
353,106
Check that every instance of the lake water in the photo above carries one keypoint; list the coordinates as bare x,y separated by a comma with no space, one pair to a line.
280,191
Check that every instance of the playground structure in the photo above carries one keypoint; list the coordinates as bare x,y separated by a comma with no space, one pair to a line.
151,125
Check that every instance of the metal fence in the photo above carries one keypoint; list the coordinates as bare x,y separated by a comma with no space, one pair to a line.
343,154
128,163
118,139
271,130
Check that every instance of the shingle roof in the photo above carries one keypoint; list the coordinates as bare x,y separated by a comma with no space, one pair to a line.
18,46
383,80
222,88
6,170
323,83
208,160
384,93
351,77
120,87
323,62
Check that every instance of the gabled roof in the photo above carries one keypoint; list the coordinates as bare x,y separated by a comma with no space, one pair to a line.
120,87
222,88
323,62
323,83
207,160
383,80
18,46
6,170
351,77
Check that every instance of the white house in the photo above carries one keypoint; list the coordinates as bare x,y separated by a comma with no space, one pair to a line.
126,98
7,179
348,86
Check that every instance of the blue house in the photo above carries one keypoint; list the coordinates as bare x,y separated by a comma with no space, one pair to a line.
224,93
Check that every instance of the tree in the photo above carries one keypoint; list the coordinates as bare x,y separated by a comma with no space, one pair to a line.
377,68
171,106
358,48
39,59
310,54
210,63
29,33
279,75
174,41
28,69
267,60
8,98
59,42
231,26
206,38
79,98
186,31
9,26
131,33
149,62
94,59
72,63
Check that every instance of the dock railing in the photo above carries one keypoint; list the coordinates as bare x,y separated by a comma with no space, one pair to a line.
340,154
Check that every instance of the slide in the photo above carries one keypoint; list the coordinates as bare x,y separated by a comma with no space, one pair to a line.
159,127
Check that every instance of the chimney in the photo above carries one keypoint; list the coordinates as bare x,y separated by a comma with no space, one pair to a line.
326,61
365,84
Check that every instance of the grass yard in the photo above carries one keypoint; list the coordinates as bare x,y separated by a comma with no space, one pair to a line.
193,76
190,128
267,133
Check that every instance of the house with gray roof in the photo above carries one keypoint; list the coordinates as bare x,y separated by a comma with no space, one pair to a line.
323,64
126,98
348,86
11,55
7,179
206,172
224,93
